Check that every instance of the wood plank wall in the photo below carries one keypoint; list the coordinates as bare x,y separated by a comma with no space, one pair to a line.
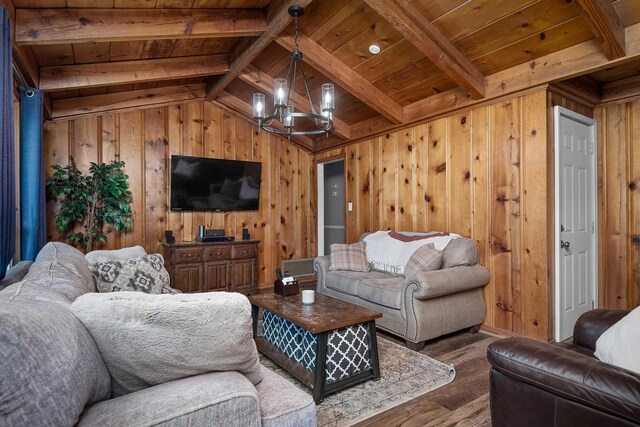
146,139
481,173
619,203
484,173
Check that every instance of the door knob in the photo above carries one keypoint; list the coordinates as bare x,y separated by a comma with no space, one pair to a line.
564,245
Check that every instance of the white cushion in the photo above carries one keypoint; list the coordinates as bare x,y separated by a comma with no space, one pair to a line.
147,340
620,344
105,255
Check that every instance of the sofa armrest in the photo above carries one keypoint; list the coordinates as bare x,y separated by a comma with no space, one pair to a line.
436,283
15,274
592,324
218,398
568,374
321,267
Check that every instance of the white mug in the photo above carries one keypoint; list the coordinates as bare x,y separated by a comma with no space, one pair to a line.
308,297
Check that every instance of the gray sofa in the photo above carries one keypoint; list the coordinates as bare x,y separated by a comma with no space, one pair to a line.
428,306
52,373
15,274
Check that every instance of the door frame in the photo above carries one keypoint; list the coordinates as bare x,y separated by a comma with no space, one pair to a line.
320,202
558,113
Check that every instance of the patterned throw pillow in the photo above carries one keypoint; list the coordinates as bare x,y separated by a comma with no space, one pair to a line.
425,258
349,257
143,274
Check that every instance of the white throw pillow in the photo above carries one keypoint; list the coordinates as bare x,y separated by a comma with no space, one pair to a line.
147,340
620,344
105,255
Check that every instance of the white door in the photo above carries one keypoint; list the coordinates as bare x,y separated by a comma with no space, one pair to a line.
576,216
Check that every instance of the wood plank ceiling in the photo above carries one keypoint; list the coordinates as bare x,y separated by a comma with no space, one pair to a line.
93,56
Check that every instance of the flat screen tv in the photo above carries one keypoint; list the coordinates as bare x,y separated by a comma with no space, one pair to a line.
204,184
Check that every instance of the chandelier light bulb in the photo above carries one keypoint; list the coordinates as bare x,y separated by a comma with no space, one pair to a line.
279,92
328,101
258,105
288,118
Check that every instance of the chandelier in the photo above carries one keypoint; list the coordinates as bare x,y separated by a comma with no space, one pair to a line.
285,117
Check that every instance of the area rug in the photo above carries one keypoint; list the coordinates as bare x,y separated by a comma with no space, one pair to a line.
404,375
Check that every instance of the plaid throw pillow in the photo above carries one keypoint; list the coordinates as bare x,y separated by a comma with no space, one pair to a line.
143,274
425,258
349,257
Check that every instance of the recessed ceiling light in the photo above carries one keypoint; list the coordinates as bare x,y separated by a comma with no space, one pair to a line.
375,49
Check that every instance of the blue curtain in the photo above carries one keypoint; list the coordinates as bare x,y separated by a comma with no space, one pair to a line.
7,147
32,197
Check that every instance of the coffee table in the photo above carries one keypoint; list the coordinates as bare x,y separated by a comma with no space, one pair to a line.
328,345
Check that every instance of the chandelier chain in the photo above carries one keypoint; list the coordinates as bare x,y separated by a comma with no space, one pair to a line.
295,33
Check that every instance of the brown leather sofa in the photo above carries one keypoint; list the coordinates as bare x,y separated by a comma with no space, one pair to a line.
549,384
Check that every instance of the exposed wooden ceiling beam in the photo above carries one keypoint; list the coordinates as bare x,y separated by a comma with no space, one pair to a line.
277,20
264,82
113,73
565,64
582,88
573,61
34,26
340,73
26,62
605,25
125,101
621,89
241,107
409,22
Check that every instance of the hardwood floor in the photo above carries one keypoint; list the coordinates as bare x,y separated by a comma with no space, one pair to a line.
463,402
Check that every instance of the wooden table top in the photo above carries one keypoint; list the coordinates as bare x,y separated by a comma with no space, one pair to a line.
325,314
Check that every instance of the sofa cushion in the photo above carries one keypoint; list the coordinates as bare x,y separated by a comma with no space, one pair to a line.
349,257
63,268
460,252
213,399
151,339
145,273
298,409
386,291
50,368
346,281
620,344
425,258
112,255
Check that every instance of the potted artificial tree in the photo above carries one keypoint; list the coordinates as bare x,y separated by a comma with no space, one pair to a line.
92,200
